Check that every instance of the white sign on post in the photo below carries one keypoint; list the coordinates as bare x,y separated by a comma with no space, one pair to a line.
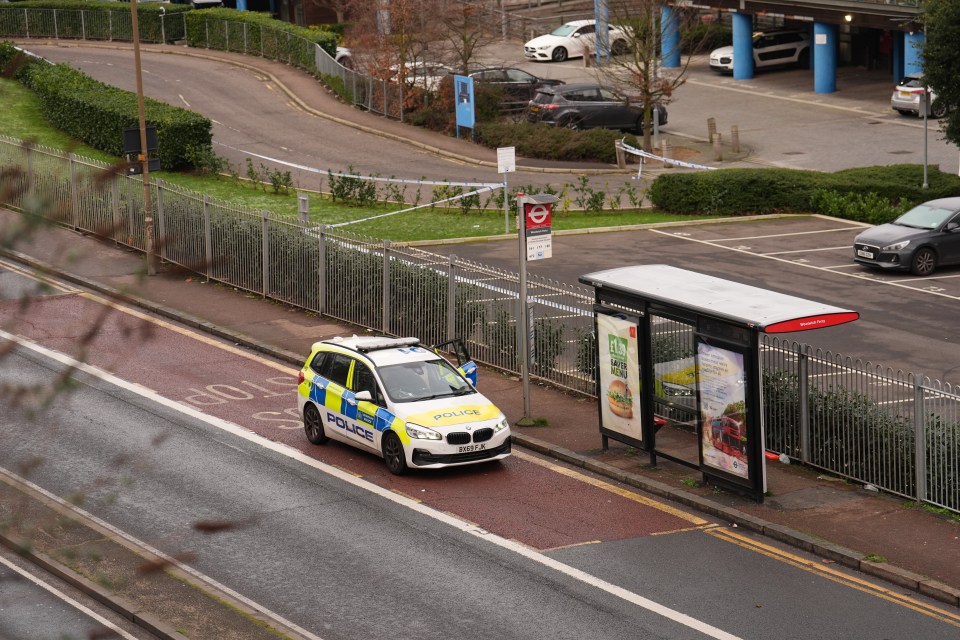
506,160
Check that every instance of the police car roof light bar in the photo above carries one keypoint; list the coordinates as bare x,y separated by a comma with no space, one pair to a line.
388,343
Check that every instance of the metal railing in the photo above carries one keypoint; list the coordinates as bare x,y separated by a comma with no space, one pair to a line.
899,432
89,24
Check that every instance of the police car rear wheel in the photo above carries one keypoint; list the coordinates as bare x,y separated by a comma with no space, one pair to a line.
313,425
393,454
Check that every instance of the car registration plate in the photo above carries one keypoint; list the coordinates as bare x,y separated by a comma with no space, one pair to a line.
467,448
864,254
906,94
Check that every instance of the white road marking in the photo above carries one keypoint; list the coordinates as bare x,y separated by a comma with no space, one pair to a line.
448,519
779,253
70,601
184,100
858,276
787,235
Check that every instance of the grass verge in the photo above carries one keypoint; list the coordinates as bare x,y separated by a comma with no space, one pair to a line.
22,118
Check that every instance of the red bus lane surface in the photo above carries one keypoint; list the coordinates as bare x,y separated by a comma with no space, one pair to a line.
521,498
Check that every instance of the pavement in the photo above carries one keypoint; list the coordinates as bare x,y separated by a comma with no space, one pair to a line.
913,548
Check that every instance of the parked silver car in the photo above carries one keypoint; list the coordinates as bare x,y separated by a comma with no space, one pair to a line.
908,97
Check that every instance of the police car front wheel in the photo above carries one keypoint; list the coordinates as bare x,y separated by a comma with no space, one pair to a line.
313,425
394,455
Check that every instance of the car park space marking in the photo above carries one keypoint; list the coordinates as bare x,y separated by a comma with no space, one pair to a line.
625,493
834,575
452,521
70,601
861,276
780,253
786,235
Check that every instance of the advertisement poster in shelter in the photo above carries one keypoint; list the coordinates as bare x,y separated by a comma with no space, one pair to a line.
619,375
722,387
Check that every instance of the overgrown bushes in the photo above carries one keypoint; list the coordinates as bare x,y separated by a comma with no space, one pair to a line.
757,191
553,143
97,113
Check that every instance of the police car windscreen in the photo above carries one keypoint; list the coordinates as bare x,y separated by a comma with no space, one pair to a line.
415,381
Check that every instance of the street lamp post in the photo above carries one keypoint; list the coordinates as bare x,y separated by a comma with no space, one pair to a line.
144,155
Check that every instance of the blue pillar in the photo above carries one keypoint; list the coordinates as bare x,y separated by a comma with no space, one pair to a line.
824,57
742,46
669,38
241,5
912,53
897,56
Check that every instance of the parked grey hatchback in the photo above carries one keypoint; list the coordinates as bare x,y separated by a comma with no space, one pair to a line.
919,241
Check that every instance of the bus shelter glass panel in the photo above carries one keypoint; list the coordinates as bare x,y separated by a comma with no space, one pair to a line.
724,418
674,369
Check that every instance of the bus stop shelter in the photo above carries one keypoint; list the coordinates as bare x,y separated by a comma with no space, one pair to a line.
640,308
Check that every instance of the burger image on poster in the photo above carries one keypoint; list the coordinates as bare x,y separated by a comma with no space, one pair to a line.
619,375
620,399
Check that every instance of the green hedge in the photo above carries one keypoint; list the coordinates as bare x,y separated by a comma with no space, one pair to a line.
158,22
97,113
257,34
757,191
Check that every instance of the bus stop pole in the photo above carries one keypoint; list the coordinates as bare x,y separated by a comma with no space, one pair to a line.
522,323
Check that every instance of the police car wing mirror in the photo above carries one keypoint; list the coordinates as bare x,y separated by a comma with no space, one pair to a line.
364,395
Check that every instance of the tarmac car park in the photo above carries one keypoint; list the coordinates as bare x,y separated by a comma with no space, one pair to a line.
400,400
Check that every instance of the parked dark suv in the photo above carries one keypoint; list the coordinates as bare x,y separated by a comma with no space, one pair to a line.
588,106
518,86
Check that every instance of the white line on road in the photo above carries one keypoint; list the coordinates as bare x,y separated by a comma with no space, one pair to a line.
810,266
70,601
785,235
778,253
344,476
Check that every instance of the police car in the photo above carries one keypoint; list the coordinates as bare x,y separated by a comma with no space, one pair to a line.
400,400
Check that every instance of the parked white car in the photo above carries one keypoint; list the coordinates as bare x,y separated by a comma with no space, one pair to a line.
908,98
572,40
770,49
426,75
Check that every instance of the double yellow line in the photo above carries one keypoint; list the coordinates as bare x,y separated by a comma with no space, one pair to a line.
840,577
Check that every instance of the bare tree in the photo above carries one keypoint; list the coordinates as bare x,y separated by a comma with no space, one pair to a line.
465,30
392,35
640,70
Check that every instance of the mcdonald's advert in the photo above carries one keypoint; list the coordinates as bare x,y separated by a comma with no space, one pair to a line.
619,375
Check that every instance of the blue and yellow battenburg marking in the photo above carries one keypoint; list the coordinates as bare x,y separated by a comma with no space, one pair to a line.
338,399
